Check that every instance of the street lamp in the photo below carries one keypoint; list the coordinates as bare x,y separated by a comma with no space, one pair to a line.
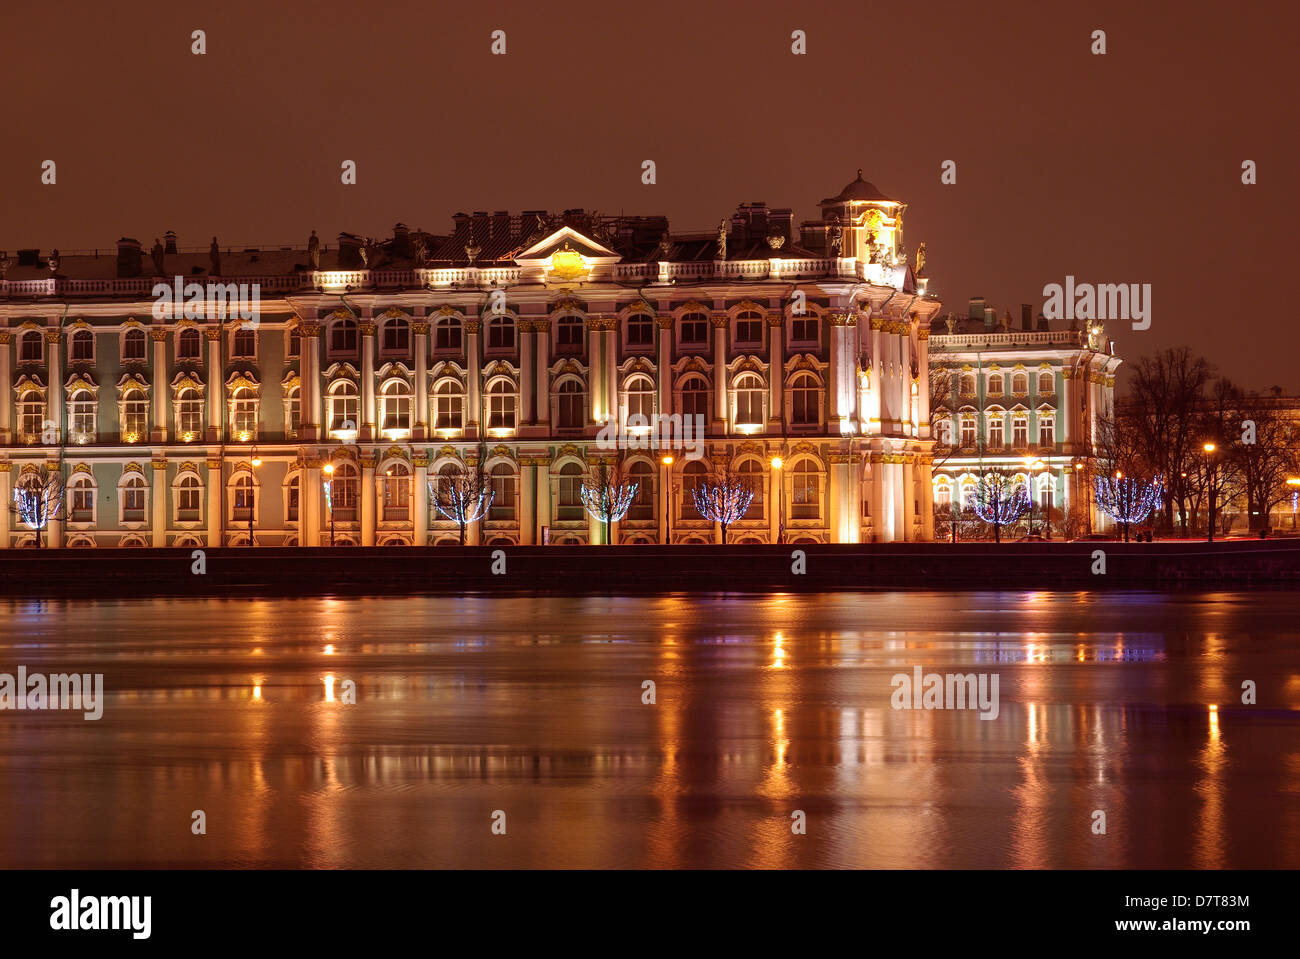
1209,480
668,497
777,463
1031,465
328,469
254,461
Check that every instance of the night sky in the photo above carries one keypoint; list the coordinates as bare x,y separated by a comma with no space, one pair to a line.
1117,168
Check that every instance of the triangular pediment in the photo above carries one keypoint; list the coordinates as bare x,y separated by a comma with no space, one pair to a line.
566,238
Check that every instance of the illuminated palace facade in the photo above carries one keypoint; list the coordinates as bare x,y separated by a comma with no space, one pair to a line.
1022,400
503,346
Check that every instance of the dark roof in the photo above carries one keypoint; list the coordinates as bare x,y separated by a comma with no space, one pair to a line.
859,189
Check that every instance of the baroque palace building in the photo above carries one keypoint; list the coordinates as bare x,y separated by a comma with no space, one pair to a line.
504,346
1022,400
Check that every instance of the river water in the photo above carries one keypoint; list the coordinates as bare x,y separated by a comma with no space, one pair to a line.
772,740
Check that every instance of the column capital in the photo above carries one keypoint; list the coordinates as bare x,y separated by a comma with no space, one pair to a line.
158,336
472,327
366,327
719,321
310,329
214,464
53,336
5,337
420,328
158,464
664,322
212,336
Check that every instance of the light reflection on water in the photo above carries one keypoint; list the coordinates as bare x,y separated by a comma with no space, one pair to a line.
1126,703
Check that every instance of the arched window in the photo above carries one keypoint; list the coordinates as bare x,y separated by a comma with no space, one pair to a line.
189,499
695,396
749,328
134,349
997,434
502,400
640,399
343,489
943,492
967,384
397,493
943,431
1046,430
569,500
995,384
693,474
243,414
31,347
805,406
503,493
749,400
135,416
969,490
345,407
1020,383
31,416
569,405
752,475
695,329
81,499
968,430
397,336
188,344
295,341
643,504
131,496
447,335
1020,431
189,414
804,328
568,335
244,498
1046,382
81,413
245,343
396,408
501,333
293,410
640,329
805,490
83,346
343,336
293,498
448,401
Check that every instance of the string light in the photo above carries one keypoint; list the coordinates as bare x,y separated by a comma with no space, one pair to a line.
999,503
38,502
1128,500
608,502
723,502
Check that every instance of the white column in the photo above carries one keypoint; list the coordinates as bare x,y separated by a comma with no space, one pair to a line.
216,394
543,494
527,501
925,476
159,502
877,494
720,392
54,396
909,500
608,334
311,503
527,374
158,434
899,513
367,502
367,382
420,500
665,367
542,344
6,496
309,375
776,372
54,529
6,400
215,518
595,371
475,384
923,387
421,329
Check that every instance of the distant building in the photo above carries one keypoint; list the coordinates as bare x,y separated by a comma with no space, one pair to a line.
1022,400
506,346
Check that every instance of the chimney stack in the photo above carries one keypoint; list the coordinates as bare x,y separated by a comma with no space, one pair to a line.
1026,317
401,240
976,308
130,258
169,241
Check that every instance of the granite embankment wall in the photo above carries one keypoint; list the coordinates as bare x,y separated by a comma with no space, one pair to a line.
618,569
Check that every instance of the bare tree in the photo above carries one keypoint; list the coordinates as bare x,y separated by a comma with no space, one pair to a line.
462,494
607,496
39,498
723,498
1264,457
1167,396
1126,485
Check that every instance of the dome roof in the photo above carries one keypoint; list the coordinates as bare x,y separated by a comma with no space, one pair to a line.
859,189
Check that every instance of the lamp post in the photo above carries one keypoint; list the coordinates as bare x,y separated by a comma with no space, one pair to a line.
254,461
1030,466
777,463
1210,490
328,469
668,499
